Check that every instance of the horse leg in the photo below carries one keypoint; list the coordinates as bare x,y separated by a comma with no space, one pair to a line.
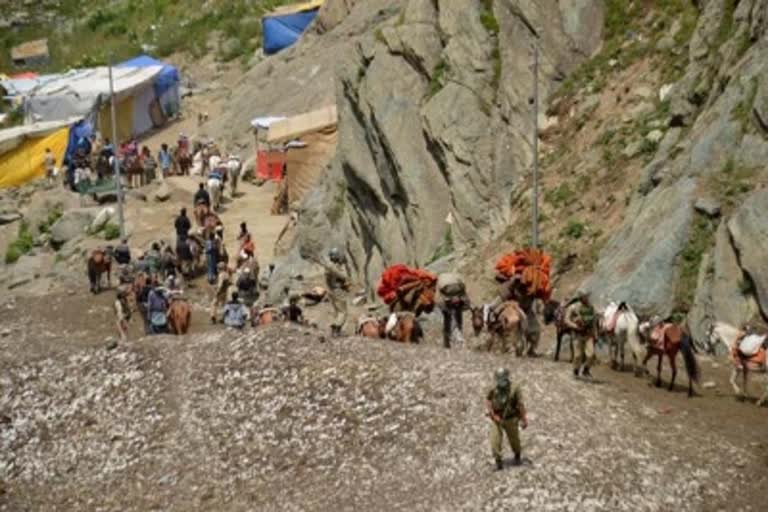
763,398
745,377
672,363
732,380
658,371
622,352
558,344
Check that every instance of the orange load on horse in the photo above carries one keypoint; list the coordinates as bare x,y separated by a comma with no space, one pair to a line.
408,289
532,266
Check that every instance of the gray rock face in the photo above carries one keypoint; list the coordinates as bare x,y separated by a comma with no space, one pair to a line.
72,224
749,231
707,206
430,119
638,264
8,218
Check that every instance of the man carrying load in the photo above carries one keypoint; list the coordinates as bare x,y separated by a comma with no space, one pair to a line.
524,277
452,301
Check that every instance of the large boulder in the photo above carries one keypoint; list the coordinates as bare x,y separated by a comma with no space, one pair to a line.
749,232
101,219
71,225
638,265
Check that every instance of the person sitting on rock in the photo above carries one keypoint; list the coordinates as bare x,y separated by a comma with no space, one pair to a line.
235,313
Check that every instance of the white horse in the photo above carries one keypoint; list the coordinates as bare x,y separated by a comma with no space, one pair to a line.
215,187
619,324
748,353
234,167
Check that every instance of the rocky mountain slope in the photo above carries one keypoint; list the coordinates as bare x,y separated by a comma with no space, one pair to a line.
653,143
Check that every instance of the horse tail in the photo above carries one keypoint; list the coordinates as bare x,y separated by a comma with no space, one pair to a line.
691,365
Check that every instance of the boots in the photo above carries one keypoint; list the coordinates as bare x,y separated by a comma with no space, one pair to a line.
576,373
587,374
518,460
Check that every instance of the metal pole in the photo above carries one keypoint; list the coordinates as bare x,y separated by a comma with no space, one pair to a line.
118,184
535,238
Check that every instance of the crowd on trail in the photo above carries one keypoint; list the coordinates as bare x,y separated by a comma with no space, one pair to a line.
92,161
154,283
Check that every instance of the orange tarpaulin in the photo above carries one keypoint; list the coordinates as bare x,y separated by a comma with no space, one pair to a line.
269,165
532,266
397,277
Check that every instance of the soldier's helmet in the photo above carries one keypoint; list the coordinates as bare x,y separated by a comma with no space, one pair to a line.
502,377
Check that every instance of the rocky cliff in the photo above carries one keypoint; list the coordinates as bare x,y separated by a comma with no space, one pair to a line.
653,143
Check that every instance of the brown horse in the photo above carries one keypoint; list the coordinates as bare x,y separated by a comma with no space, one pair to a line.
134,170
179,316
508,323
264,316
183,160
668,339
99,263
403,328
554,312
201,212
371,327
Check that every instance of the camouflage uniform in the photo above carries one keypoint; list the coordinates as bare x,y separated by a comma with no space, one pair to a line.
580,317
505,403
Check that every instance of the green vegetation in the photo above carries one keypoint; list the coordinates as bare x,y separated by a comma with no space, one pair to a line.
53,215
624,21
446,247
437,82
700,239
21,246
85,34
560,196
111,231
730,185
726,23
743,111
574,229
487,18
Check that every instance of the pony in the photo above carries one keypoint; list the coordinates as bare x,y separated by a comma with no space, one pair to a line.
619,324
234,168
554,312
134,170
371,327
754,360
182,159
179,316
264,316
215,188
508,324
403,327
666,338
99,263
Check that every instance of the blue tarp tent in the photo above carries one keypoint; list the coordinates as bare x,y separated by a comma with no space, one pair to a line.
166,83
283,27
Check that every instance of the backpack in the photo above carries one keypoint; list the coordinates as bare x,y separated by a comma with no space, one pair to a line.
157,302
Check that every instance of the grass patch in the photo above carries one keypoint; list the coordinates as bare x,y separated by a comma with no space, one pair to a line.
726,23
487,18
111,231
446,247
53,215
700,239
437,82
743,111
560,196
730,185
574,229
21,246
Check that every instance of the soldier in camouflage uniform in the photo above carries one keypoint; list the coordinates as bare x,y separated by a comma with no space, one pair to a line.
580,318
505,408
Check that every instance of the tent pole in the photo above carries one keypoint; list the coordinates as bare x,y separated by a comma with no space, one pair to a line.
535,237
118,183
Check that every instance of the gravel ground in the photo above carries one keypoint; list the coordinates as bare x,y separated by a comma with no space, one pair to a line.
278,420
